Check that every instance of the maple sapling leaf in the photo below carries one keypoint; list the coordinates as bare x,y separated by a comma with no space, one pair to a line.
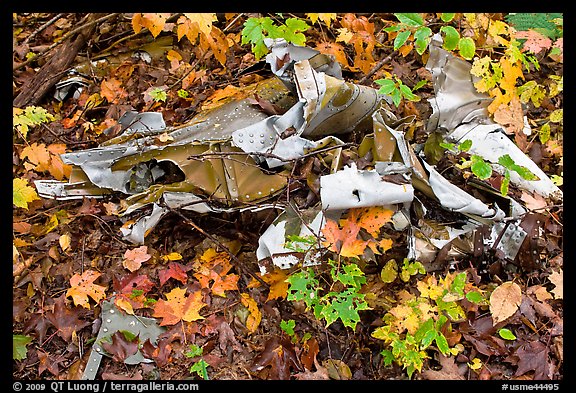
83,287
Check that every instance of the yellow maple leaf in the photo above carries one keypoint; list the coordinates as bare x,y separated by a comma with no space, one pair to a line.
83,287
255,316
344,35
22,193
324,17
152,21
203,21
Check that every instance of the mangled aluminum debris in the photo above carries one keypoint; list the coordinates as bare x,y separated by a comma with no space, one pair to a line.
216,162
114,320
460,113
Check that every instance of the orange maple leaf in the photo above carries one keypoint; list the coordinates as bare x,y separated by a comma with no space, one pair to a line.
112,90
82,287
179,307
373,218
214,266
277,280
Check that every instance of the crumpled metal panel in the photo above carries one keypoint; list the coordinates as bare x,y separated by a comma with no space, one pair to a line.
460,113
114,320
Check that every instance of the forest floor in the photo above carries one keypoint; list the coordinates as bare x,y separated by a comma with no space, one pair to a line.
246,325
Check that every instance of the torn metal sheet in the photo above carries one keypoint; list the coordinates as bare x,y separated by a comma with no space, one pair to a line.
460,113
71,85
272,242
351,188
455,199
114,320
490,142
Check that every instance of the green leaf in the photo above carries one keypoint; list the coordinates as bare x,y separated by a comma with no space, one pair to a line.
506,334
447,16
544,133
401,38
19,343
442,344
387,357
506,161
303,286
200,368
389,271
387,86
480,168
288,326
194,350
423,331
158,94
183,93
419,84
467,48
393,28
407,93
396,97
465,145
422,38
412,19
451,37
525,173
458,283
474,297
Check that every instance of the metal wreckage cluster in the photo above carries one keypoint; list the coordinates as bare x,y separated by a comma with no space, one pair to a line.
238,157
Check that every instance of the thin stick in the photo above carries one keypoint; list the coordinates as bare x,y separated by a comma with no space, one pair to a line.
377,67
63,39
41,28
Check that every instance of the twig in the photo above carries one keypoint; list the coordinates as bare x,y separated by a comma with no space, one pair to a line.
377,67
63,39
41,28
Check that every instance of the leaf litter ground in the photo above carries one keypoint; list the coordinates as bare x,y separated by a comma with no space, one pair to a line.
71,254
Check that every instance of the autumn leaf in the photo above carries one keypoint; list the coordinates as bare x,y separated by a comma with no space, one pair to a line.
213,267
176,271
179,307
373,218
112,90
83,287
510,116
22,193
504,301
557,279
334,49
134,258
152,21
255,316
324,17
343,241
121,347
535,42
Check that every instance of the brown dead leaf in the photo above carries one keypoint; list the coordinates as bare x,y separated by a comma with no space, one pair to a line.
449,371
112,90
533,201
68,321
504,301
174,270
334,49
278,354
557,279
121,348
510,116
